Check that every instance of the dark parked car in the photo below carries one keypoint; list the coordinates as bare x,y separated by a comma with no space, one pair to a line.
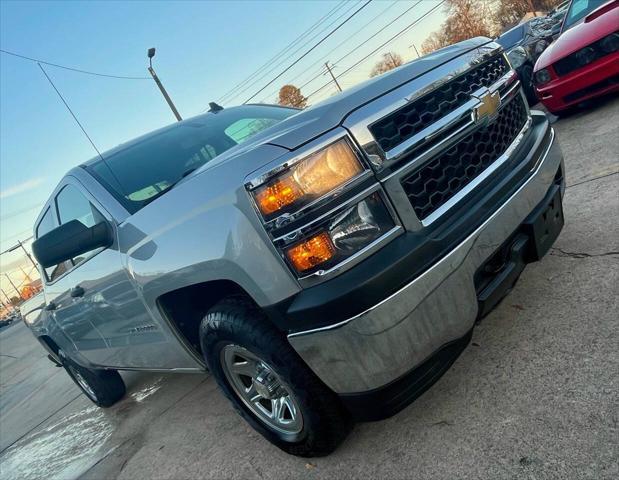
10,318
523,44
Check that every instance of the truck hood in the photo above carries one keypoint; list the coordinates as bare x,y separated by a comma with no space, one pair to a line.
328,114
599,23
324,116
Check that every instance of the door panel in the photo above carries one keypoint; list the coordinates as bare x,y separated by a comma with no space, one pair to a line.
108,321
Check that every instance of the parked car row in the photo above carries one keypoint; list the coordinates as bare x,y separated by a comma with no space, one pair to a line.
569,56
523,45
10,318
583,62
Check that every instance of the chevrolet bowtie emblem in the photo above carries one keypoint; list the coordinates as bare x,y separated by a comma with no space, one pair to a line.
488,109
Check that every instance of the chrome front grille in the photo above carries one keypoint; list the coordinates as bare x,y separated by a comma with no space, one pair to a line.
428,173
440,179
414,117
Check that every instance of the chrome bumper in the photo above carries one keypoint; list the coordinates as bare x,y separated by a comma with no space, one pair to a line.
388,340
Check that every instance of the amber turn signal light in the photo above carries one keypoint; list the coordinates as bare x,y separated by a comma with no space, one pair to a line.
312,252
277,195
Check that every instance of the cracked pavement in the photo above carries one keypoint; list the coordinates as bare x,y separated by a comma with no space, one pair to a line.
535,395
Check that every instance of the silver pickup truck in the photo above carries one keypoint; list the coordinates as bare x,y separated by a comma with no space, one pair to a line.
325,265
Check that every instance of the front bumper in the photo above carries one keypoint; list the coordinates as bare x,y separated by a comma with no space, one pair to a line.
429,316
598,78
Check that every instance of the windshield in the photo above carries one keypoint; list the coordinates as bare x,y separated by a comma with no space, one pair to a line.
578,10
147,168
511,37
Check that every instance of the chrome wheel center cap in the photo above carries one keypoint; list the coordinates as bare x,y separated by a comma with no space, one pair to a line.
266,384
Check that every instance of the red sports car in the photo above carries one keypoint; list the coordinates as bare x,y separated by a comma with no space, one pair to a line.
584,61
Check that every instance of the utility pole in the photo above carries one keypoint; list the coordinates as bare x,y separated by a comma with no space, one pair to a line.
13,285
21,245
333,76
8,299
416,51
27,277
151,54
392,59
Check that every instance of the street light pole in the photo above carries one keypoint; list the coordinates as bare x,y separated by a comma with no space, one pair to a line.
151,54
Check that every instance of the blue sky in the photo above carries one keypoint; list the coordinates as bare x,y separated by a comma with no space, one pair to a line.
203,49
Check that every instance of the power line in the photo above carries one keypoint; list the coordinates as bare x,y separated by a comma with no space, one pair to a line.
70,111
322,71
19,234
292,54
19,212
378,32
381,46
326,55
288,47
36,60
310,50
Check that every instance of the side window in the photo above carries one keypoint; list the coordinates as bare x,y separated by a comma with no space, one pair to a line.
73,205
47,224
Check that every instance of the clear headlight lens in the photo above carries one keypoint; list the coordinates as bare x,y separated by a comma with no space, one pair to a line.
342,236
309,179
542,76
517,57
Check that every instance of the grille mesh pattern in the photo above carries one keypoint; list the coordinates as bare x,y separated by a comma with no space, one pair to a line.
414,117
440,179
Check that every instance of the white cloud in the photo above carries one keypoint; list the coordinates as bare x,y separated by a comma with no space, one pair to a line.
22,187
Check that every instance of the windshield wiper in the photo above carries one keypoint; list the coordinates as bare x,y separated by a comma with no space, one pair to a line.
169,187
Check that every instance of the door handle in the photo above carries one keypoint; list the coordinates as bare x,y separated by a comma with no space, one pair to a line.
77,292
51,306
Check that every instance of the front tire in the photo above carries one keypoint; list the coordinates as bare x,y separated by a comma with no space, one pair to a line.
103,387
267,382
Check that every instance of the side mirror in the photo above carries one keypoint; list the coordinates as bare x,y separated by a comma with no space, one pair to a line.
70,240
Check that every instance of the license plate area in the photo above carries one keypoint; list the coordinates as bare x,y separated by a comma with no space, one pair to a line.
543,225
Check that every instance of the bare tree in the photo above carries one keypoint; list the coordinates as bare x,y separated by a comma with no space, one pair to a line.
389,61
473,18
510,12
291,96
435,41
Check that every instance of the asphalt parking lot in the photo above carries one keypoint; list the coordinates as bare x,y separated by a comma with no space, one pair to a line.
536,394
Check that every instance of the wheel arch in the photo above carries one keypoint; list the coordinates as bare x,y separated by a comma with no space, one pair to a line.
185,307
50,345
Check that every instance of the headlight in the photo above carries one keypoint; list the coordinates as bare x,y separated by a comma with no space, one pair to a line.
517,57
610,43
340,237
308,180
585,56
542,76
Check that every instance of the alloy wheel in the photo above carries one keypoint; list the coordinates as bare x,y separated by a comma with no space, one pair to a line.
261,390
